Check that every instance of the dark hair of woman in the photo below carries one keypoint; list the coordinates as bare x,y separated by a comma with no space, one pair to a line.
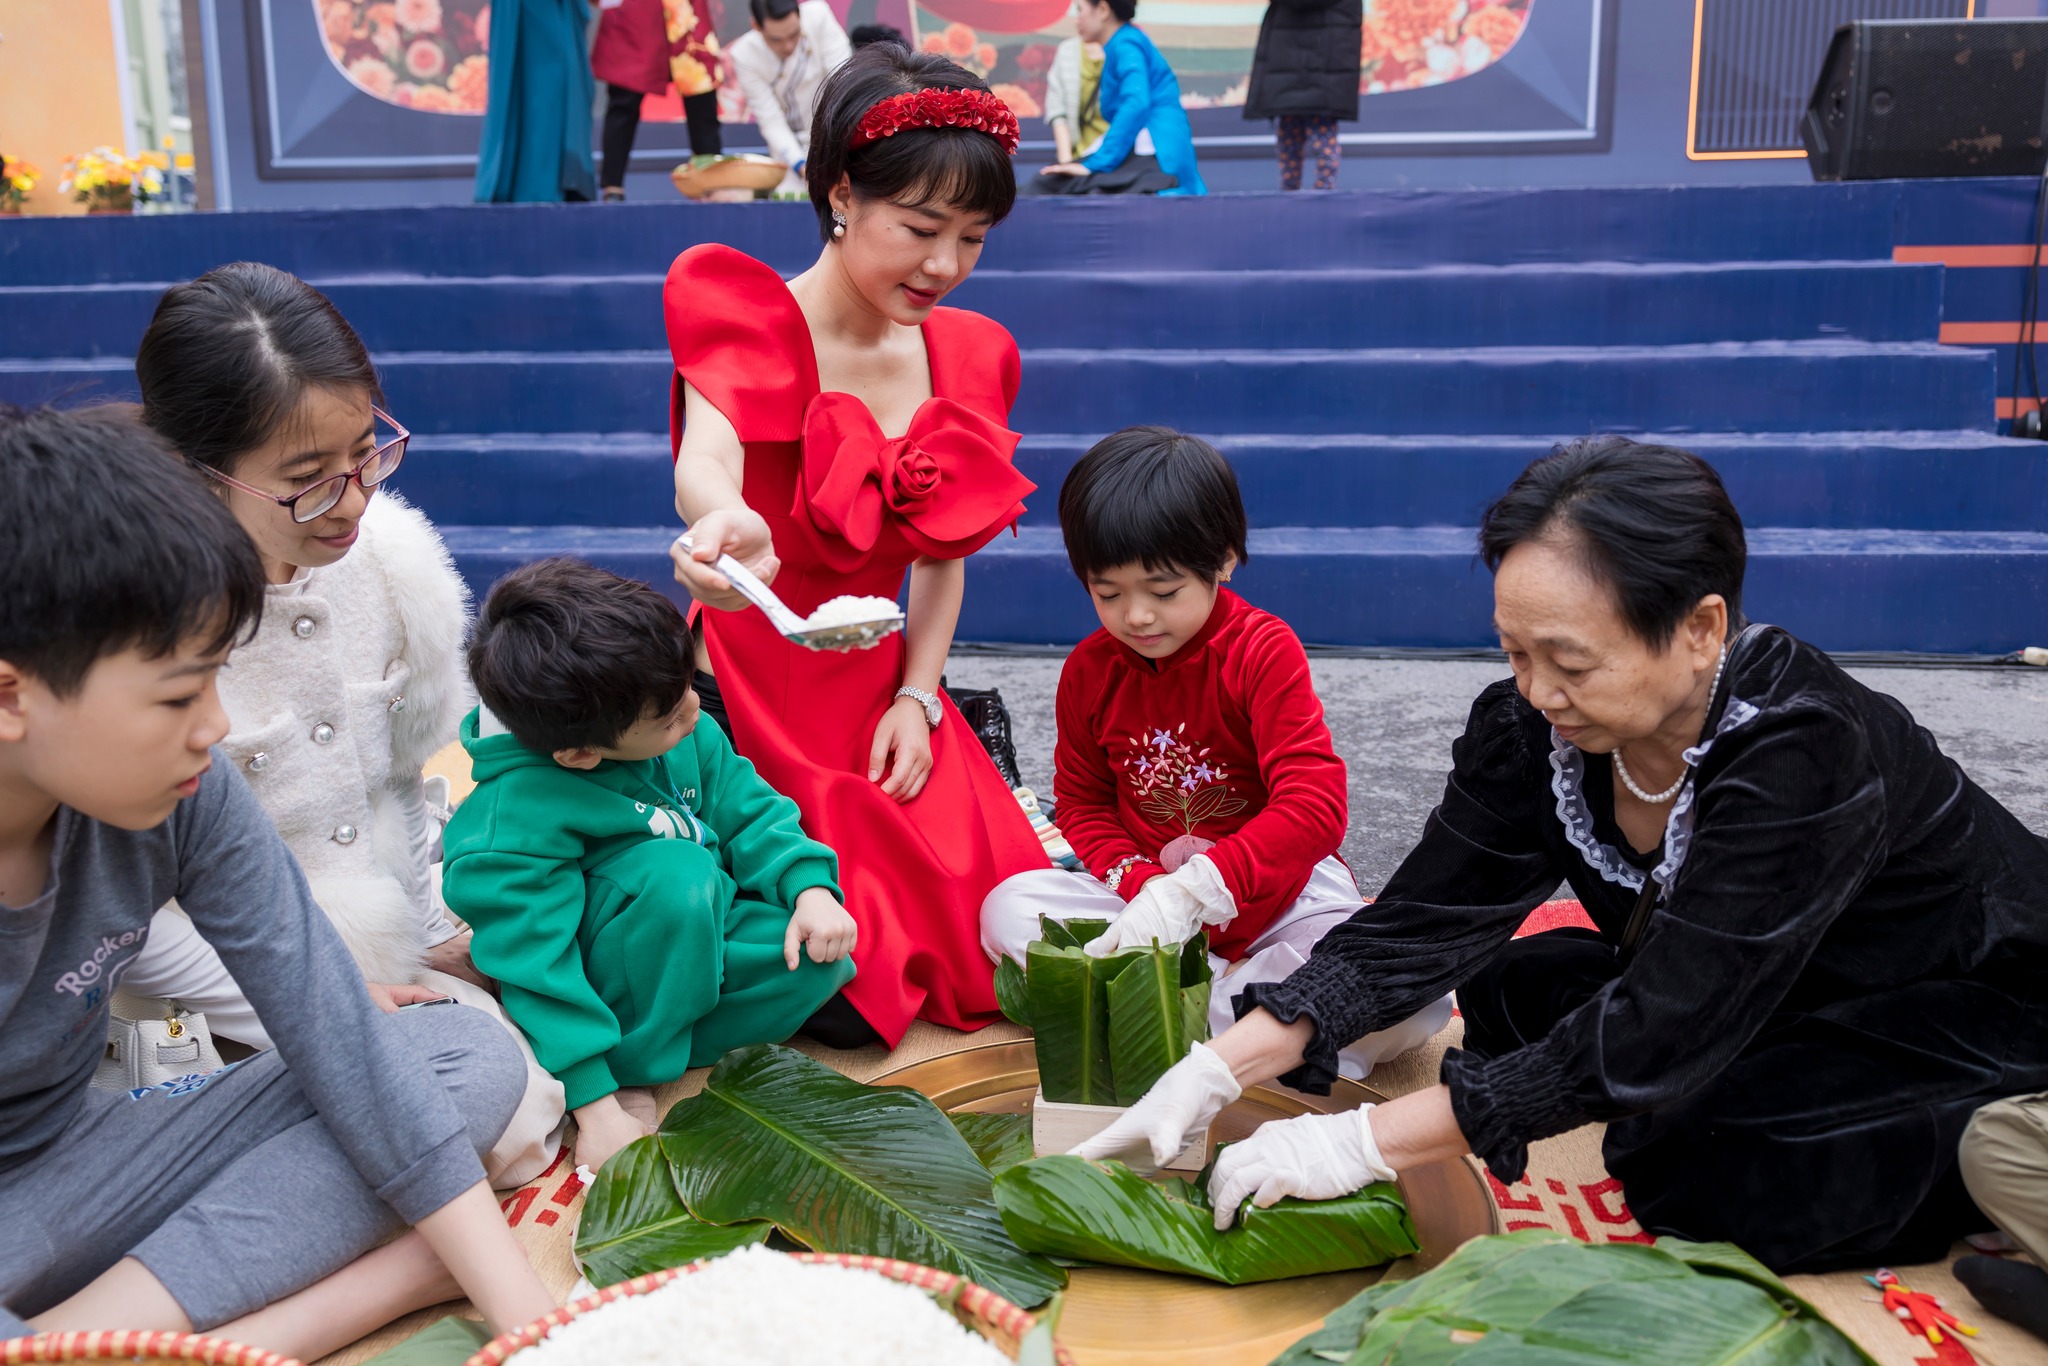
861,35
568,655
1152,496
82,584
228,358
960,168
1125,10
1651,523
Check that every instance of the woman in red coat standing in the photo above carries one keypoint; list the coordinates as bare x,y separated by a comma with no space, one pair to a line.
837,434
643,45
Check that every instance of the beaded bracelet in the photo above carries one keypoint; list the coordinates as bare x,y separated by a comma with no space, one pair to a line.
1114,878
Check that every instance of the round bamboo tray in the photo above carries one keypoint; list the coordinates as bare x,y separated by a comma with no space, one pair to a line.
983,1311
734,173
148,1349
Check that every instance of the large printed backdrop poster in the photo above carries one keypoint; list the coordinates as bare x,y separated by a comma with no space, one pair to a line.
392,87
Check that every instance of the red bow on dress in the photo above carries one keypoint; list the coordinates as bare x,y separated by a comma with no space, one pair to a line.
947,483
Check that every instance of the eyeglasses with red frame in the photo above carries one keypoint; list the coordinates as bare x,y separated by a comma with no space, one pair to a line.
317,500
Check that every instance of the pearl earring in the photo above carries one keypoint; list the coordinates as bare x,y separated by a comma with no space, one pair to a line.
838,223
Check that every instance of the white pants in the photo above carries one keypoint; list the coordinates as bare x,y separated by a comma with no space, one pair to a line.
177,963
1009,922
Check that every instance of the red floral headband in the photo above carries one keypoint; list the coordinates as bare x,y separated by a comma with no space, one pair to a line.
976,109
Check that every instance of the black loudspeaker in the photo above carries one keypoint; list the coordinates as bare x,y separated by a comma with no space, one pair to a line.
1910,98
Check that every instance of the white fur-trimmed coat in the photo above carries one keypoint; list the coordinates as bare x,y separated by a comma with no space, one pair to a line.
352,683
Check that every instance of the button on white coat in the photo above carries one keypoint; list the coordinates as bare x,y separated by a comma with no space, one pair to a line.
323,734
304,627
398,704
259,761
344,834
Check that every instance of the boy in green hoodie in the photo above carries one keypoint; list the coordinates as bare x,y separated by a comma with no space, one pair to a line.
644,900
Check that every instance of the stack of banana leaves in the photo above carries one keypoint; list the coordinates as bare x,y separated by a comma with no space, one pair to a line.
1106,1028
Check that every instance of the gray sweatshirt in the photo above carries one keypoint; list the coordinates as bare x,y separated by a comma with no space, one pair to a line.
62,956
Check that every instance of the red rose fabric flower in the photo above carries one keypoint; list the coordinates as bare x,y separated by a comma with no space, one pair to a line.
913,476
975,109
945,486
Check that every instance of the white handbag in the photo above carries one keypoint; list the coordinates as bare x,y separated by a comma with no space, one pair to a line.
144,1052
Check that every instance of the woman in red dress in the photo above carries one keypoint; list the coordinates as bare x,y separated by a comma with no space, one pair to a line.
833,433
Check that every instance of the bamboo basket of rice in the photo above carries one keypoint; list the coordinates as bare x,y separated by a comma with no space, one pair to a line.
701,176
148,1349
982,1312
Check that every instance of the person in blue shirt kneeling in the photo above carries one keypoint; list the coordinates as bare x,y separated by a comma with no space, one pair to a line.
1139,92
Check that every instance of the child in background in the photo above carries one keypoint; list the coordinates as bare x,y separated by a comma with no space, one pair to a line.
1194,773
643,898
257,1202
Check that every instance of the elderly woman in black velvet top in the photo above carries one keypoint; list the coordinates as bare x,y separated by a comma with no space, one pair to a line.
1819,946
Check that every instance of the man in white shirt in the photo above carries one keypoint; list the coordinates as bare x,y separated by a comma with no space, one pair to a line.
780,65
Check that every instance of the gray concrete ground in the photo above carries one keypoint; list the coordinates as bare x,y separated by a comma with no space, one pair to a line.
1394,721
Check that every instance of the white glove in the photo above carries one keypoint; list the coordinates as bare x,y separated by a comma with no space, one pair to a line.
1170,907
1311,1157
1173,1113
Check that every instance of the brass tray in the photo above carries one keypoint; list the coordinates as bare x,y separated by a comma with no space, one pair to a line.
1118,1317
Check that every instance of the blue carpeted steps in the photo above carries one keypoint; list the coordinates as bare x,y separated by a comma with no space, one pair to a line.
1600,303
1377,365
1837,480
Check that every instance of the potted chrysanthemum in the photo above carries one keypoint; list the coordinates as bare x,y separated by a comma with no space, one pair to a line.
17,180
107,181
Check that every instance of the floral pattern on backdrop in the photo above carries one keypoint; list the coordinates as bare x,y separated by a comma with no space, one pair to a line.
1408,44
1404,44
431,55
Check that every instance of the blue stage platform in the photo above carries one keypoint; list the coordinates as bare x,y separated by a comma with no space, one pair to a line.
1377,365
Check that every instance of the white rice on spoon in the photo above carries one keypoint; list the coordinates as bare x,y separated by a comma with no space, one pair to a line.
762,1308
849,610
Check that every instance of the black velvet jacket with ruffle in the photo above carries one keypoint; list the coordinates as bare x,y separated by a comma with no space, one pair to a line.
1827,849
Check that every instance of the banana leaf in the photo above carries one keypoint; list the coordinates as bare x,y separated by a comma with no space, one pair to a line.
1000,1141
1541,1298
1147,1025
1011,997
1196,978
1069,934
842,1167
634,1222
1104,1212
449,1342
1069,995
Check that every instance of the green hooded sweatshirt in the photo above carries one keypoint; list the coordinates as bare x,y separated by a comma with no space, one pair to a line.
633,914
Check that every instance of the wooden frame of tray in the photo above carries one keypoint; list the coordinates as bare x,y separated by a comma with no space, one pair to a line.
1119,1317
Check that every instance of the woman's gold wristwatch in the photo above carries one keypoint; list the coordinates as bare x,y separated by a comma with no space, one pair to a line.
929,701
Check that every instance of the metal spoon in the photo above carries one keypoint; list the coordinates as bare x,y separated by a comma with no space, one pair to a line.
857,635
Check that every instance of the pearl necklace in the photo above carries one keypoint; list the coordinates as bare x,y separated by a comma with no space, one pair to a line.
1659,798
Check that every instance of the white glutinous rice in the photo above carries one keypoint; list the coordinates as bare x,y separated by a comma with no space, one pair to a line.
851,611
762,1308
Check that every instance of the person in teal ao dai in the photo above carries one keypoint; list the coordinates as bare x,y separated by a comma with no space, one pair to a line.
1138,91
535,147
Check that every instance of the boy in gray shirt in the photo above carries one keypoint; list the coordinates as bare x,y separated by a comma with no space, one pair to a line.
255,1202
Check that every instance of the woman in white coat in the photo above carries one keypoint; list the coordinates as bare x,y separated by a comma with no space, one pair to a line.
354,677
